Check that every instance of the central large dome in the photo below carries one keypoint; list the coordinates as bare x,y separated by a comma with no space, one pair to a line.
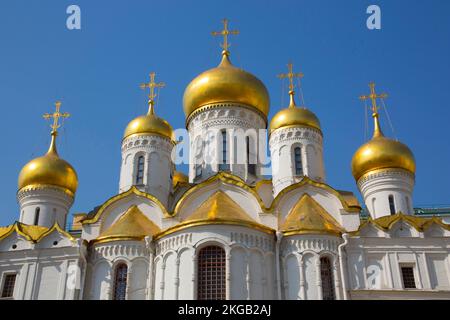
226,83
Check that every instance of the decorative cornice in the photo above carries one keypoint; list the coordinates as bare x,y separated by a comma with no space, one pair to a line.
383,172
223,105
36,187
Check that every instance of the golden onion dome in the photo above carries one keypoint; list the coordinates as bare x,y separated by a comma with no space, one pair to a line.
179,177
49,169
226,83
149,123
294,116
382,153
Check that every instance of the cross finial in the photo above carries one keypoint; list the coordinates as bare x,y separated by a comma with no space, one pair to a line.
56,116
151,86
291,75
373,96
225,32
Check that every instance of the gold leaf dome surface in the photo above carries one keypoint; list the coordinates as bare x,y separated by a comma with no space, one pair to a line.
226,83
149,123
49,169
382,153
294,116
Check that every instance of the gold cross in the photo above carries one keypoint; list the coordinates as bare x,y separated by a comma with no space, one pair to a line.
290,75
373,96
225,32
56,115
152,85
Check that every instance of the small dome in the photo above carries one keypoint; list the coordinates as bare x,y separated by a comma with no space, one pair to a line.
149,123
49,169
382,153
226,83
294,116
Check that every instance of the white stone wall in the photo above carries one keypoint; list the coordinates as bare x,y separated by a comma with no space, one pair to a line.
300,266
158,167
250,262
43,270
374,261
376,188
282,144
53,204
233,118
103,259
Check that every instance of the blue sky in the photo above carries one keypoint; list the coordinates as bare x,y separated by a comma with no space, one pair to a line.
96,72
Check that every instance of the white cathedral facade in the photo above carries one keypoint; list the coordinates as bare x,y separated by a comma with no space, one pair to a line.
224,231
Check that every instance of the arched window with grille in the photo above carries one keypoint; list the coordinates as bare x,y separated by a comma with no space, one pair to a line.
326,274
298,161
211,274
120,282
391,204
140,170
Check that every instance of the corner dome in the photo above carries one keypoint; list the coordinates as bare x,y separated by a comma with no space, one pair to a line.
226,83
382,153
149,123
50,170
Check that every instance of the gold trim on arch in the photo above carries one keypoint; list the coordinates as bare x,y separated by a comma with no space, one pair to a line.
224,177
189,224
386,223
320,185
132,190
227,178
34,233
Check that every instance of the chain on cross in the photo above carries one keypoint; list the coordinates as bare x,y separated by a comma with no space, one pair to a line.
56,116
225,33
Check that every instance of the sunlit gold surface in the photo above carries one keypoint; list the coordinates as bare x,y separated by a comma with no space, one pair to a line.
49,169
132,225
381,153
308,217
95,216
418,223
149,123
226,83
294,116
227,178
179,177
31,232
218,209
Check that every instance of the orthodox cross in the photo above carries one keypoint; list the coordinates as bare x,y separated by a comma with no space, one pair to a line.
225,32
151,86
290,75
56,116
373,96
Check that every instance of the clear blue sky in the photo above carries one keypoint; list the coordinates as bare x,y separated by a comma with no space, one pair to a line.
96,72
